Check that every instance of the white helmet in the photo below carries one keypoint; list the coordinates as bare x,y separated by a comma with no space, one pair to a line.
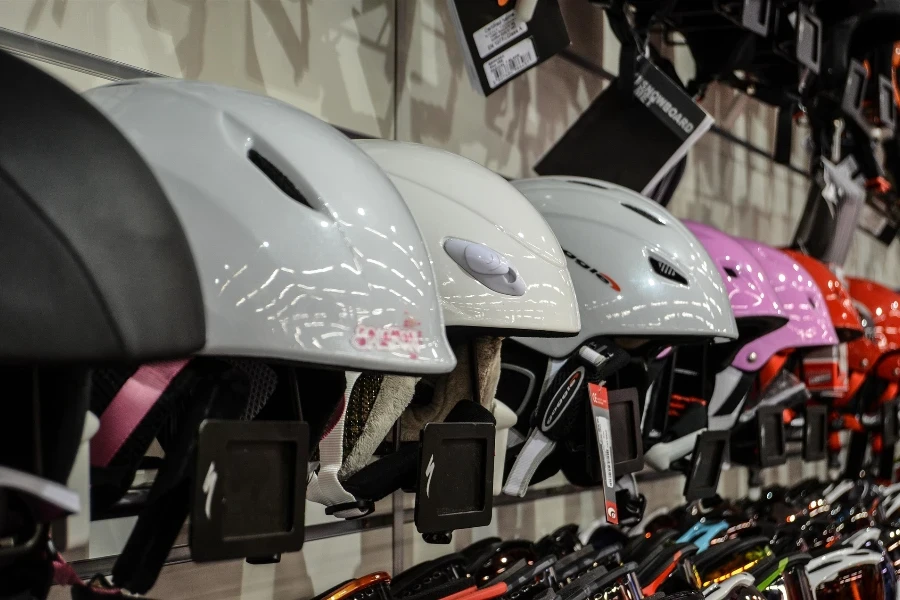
306,251
500,270
639,272
498,264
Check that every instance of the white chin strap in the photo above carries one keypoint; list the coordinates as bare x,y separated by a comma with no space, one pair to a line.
324,487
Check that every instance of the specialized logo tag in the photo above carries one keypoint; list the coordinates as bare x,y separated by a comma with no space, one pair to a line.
601,276
602,429
209,487
562,399
429,471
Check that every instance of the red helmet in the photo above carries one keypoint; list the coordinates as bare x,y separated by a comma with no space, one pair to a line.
844,317
882,345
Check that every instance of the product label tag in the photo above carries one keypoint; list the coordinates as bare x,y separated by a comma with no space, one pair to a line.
510,62
499,31
600,412
498,46
826,371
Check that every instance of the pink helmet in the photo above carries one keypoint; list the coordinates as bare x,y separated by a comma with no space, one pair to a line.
753,300
801,301
757,312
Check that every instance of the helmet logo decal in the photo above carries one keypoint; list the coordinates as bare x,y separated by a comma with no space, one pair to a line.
486,265
601,276
391,338
563,398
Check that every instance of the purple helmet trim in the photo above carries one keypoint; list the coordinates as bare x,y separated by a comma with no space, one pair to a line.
749,291
801,301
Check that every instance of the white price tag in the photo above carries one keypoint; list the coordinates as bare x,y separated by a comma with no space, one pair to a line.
510,62
499,31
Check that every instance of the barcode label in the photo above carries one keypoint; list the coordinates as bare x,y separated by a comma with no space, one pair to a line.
609,478
499,31
510,62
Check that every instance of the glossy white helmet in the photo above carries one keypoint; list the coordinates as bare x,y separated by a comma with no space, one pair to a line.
640,275
306,252
498,264
639,272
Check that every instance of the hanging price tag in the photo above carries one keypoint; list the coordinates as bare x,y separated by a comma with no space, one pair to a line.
600,412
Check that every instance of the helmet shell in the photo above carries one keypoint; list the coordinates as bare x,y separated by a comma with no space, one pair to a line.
96,266
844,317
637,270
462,207
800,300
306,251
883,306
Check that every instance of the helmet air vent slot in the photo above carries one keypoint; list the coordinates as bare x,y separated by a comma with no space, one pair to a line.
277,177
666,270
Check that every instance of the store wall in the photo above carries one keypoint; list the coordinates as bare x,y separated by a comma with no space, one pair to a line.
394,68
333,58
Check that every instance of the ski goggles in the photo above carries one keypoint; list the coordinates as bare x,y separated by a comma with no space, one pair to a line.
785,579
731,558
375,586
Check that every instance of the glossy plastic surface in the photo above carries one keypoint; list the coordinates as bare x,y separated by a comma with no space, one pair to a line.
749,291
843,316
800,300
455,200
96,266
306,251
882,306
637,270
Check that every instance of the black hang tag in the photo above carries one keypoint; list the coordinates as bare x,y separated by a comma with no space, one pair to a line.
855,93
760,441
627,445
889,425
456,474
249,491
754,15
771,436
653,129
498,47
808,49
706,465
815,433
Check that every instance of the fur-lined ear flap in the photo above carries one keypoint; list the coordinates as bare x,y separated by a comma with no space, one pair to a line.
450,389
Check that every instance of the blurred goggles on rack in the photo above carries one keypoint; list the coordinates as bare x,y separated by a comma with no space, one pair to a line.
375,586
739,587
852,582
497,559
620,583
731,558
786,579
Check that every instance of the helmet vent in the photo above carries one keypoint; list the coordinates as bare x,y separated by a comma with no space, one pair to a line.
668,271
589,183
277,177
643,213
730,272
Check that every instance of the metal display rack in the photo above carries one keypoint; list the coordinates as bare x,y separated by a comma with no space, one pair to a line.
396,519
41,50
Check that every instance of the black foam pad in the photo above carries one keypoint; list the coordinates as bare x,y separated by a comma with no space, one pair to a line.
95,263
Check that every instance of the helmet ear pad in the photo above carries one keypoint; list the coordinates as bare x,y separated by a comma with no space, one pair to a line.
457,385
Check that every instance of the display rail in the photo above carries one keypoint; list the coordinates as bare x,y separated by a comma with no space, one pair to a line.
86,568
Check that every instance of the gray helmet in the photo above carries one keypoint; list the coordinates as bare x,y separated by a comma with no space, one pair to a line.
638,271
306,251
